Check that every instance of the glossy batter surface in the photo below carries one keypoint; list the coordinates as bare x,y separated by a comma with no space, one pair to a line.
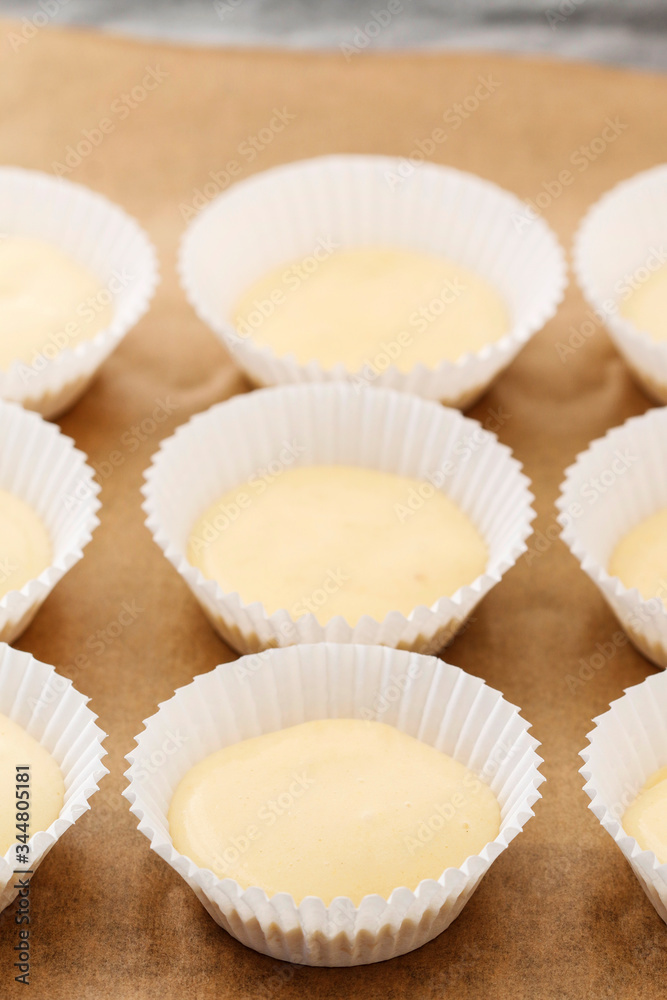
338,540
369,305
335,807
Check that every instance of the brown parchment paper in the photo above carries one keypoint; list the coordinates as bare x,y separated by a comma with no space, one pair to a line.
560,914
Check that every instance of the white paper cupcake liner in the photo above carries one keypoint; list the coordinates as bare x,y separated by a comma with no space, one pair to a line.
102,238
41,466
625,233
285,213
332,424
617,482
627,746
55,714
422,696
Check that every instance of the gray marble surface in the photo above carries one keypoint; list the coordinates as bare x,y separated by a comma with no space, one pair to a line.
623,32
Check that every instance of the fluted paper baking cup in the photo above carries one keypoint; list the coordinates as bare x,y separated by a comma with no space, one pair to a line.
621,241
331,424
55,714
613,485
627,746
42,467
433,701
99,236
285,214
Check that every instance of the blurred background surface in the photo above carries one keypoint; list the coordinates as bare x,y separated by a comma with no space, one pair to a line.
623,32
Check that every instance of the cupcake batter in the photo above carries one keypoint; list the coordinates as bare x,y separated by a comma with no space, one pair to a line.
25,546
646,306
335,807
46,786
47,301
362,305
646,819
640,558
338,540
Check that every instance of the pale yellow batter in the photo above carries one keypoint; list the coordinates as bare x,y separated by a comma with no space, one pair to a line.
336,807
640,558
338,540
47,302
46,785
372,305
646,306
646,819
25,546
